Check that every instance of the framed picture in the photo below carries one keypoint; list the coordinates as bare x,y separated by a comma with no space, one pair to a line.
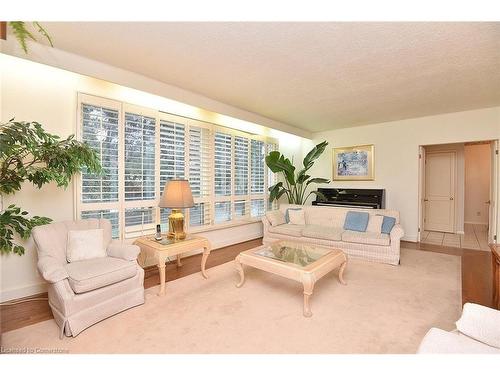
353,163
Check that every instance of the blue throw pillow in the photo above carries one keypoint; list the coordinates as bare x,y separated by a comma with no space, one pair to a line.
287,217
387,224
357,221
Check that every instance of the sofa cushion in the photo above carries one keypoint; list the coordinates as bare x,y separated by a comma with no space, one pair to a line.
357,221
288,230
297,217
90,274
275,217
367,238
322,232
375,224
387,224
287,213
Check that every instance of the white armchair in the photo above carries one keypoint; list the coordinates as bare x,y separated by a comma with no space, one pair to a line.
85,292
478,332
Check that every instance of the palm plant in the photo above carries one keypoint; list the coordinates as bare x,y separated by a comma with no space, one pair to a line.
294,186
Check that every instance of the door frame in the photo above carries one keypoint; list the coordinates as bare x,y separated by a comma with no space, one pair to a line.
494,181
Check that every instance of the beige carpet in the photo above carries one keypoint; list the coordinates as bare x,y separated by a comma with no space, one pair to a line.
383,309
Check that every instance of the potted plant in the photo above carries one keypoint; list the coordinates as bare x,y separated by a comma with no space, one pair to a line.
29,153
294,185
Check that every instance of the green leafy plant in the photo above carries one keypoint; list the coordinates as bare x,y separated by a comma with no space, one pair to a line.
29,153
294,185
22,33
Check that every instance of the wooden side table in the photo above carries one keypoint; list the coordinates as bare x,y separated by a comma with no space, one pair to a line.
161,250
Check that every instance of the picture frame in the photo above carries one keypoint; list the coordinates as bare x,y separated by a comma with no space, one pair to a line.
354,163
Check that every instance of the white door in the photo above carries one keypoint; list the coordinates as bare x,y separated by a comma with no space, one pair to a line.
440,191
492,223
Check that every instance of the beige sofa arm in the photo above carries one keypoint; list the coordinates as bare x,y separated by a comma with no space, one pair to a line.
397,233
51,269
481,323
118,249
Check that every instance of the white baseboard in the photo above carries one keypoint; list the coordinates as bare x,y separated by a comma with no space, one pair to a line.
410,238
25,291
476,222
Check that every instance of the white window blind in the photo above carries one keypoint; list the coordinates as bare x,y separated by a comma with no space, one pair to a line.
199,215
139,157
200,161
257,164
100,131
222,212
139,221
258,207
172,151
222,164
240,209
271,177
241,167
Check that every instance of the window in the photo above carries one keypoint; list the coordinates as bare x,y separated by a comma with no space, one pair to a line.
141,149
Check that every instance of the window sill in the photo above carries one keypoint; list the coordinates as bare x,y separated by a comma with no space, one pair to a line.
225,225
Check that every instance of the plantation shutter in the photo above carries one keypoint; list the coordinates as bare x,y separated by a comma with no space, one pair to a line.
257,153
172,150
200,174
271,178
222,164
139,157
100,131
140,221
241,167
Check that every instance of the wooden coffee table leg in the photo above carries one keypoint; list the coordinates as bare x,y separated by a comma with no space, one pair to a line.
308,283
239,268
341,273
179,264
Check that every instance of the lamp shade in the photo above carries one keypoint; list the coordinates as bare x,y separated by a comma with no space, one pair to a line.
176,194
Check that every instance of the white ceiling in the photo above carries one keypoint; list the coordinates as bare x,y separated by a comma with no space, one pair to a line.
315,76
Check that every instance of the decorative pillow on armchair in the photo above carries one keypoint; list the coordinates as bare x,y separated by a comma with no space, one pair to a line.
85,244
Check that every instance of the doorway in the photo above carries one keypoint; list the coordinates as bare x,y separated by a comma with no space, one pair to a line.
457,194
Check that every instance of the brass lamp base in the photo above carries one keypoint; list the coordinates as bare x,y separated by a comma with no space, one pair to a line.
176,225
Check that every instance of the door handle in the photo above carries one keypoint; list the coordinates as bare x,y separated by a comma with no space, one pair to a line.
426,200
451,198
488,202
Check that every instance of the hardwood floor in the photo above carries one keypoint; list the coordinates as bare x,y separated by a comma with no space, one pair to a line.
476,279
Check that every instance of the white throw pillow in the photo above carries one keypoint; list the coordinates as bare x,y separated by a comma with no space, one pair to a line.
481,323
375,224
275,217
296,217
85,244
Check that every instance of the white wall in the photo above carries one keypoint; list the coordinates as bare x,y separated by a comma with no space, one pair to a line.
477,183
396,153
459,180
34,92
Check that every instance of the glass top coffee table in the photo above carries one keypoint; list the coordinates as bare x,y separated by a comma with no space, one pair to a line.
296,261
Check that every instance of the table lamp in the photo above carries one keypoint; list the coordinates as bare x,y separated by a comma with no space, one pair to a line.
176,195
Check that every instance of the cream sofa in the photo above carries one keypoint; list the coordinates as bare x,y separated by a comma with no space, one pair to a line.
85,292
478,332
324,226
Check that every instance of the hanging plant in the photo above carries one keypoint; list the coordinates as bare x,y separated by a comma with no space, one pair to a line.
22,33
